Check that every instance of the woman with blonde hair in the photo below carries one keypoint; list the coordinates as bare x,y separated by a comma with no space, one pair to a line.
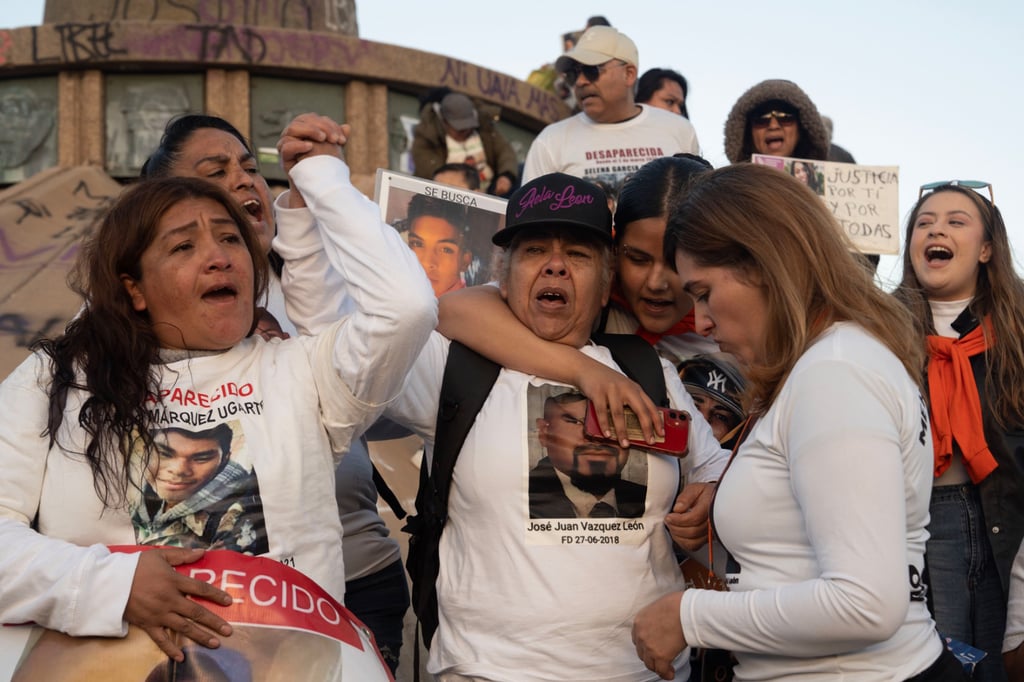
823,581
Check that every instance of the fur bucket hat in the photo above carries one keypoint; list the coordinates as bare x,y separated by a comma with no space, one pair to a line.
814,138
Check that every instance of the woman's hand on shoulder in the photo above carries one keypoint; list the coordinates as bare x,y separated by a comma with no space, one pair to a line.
159,603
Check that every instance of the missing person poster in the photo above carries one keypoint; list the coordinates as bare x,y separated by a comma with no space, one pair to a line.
448,228
286,629
864,199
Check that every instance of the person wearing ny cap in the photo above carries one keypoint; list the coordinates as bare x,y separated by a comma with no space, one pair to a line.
715,383
453,131
612,136
542,599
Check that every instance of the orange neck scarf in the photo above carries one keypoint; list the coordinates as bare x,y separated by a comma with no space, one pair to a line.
956,406
681,327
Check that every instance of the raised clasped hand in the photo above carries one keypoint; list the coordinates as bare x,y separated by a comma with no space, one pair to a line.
311,135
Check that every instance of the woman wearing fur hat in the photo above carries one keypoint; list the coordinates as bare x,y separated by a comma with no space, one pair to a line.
775,117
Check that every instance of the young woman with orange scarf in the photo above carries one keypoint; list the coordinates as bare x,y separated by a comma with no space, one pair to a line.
960,283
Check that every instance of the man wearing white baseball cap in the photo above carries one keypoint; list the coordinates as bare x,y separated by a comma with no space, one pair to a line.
612,136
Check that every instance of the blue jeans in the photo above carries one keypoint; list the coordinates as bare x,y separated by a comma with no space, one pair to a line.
380,600
967,594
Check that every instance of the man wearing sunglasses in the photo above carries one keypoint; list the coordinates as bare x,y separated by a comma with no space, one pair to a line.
612,135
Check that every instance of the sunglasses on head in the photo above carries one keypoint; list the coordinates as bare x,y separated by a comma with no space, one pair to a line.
590,72
784,118
969,184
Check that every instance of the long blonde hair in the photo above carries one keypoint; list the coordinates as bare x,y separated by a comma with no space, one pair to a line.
771,229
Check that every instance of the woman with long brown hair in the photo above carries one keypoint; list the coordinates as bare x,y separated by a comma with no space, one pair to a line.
960,284
170,282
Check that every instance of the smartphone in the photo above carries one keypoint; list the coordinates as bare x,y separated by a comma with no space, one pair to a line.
677,430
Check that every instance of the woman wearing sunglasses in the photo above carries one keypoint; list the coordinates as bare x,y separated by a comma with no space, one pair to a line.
775,117
960,284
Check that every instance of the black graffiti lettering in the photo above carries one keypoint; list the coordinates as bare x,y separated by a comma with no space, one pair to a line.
87,42
83,188
31,207
21,329
36,58
182,6
85,213
218,41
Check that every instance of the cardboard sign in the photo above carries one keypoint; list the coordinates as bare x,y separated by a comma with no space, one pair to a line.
286,629
454,244
42,223
864,199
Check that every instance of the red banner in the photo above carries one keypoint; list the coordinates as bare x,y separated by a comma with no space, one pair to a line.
285,628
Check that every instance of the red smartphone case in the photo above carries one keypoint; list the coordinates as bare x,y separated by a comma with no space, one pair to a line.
677,430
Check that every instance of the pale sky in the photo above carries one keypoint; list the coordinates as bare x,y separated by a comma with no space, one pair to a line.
930,87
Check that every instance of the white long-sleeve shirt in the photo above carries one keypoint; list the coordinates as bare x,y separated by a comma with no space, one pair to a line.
824,512
544,599
289,403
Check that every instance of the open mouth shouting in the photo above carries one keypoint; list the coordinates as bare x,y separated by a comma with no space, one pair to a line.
552,298
775,142
254,207
937,254
221,294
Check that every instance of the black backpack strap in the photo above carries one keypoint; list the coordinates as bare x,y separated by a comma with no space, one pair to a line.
640,362
468,379
387,494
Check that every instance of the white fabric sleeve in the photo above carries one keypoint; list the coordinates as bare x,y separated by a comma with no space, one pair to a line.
538,159
372,348
1014,636
61,586
707,459
314,292
416,406
841,440
692,145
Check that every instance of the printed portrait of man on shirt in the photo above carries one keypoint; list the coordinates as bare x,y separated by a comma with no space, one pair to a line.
575,477
197,494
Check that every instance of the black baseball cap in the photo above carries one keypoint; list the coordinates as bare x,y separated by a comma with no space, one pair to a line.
717,377
557,200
